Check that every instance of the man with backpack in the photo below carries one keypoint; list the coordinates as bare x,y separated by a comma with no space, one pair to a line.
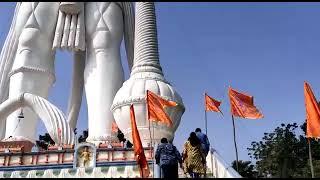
205,144
168,157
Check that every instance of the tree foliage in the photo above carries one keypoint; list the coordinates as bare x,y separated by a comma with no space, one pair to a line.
283,153
246,169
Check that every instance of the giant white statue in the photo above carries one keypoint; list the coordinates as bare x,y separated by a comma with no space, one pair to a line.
93,31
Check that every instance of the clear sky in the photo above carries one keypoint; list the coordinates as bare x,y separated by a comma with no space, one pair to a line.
264,49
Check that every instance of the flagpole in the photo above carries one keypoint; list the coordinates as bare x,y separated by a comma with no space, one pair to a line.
235,143
151,144
205,114
205,117
310,158
149,131
151,141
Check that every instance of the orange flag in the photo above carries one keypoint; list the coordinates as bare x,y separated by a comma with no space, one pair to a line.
212,104
312,113
242,105
156,105
114,127
137,145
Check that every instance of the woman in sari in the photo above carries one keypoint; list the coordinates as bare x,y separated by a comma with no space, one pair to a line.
193,157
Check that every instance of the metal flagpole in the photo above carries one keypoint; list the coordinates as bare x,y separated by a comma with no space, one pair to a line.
206,125
205,114
151,144
205,117
149,128
310,158
235,143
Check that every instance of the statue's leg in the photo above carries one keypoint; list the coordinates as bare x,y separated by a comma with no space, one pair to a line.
33,68
103,74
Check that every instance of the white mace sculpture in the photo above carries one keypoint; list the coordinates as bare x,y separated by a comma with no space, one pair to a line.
93,31
146,75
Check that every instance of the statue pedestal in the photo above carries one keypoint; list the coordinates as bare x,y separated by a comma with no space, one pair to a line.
64,162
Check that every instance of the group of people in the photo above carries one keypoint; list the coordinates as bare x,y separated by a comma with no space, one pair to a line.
192,160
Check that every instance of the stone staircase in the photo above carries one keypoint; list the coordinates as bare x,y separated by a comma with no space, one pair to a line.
183,175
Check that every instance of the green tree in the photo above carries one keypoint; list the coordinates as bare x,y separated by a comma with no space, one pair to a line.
315,151
246,169
283,153
277,153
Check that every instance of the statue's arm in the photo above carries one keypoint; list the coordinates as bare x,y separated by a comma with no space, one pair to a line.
128,16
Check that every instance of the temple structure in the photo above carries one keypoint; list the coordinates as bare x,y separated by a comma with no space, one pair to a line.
93,32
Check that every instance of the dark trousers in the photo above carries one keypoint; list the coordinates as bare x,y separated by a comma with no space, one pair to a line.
195,175
169,171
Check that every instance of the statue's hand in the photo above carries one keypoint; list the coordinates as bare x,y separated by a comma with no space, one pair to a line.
70,7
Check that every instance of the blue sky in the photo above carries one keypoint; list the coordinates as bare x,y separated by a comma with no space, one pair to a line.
264,49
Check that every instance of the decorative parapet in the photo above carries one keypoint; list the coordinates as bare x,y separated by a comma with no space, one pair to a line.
129,170
64,158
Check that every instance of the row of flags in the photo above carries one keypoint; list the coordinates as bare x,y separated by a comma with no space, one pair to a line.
241,105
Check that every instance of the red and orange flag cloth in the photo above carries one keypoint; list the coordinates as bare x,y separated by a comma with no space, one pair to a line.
114,127
242,105
137,145
156,108
312,113
212,104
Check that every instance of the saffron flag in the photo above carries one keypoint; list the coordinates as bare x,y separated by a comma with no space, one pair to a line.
212,104
137,145
156,106
312,113
114,127
242,105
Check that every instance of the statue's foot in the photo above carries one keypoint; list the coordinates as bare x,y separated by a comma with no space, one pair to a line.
18,138
97,140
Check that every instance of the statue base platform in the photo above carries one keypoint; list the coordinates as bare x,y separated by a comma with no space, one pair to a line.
83,160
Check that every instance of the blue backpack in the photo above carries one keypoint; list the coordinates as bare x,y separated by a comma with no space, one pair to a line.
168,155
205,144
